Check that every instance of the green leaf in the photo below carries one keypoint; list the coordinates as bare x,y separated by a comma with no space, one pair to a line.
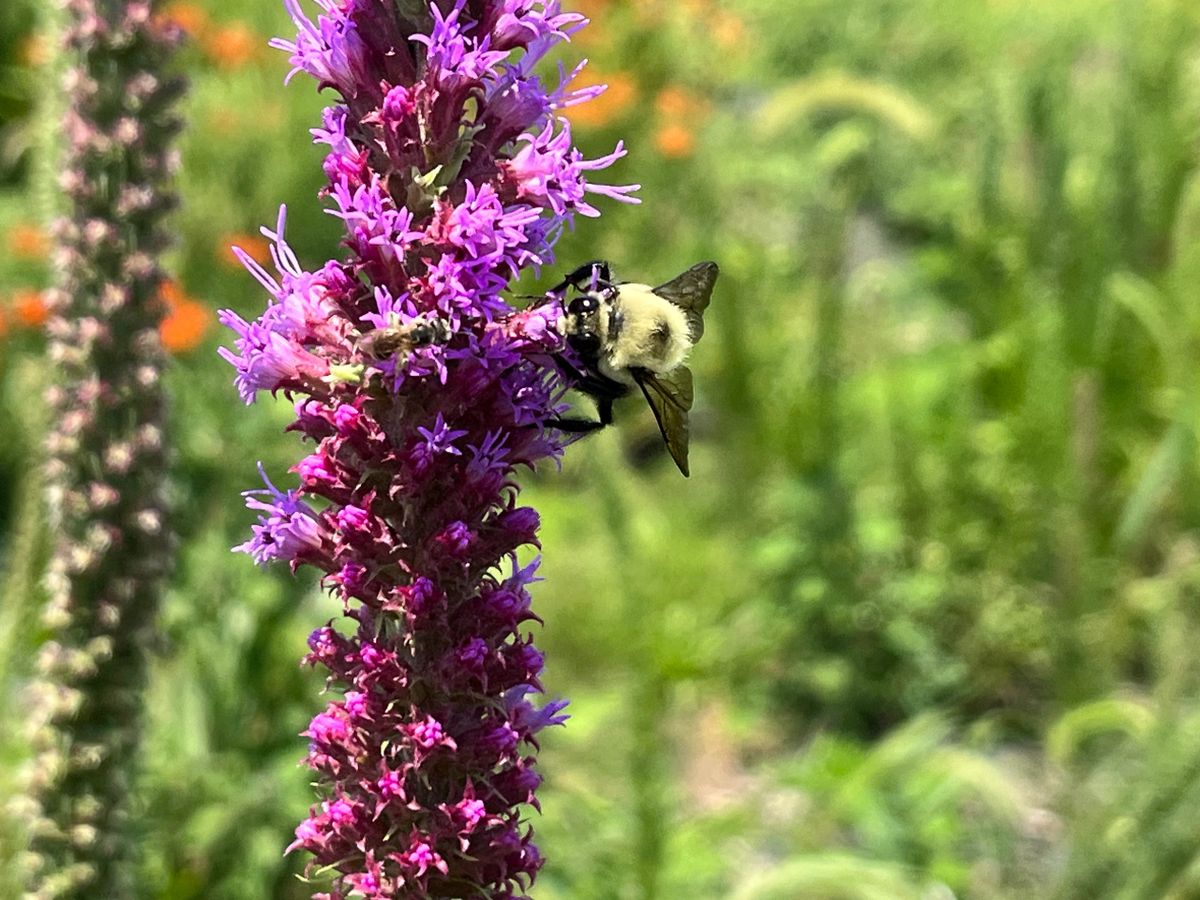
842,92
831,876
1110,715
1146,304
1161,473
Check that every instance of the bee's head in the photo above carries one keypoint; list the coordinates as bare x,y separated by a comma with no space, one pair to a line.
583,305
585,325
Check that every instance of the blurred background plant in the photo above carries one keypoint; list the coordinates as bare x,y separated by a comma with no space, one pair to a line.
922,622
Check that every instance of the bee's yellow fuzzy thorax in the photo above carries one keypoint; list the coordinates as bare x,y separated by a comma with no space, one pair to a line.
646,331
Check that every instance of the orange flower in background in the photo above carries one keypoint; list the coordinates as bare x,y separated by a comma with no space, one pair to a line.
27,241
651,15
728,30
232,46
29,308
675,141
260,117
679,104
596,12
34,51
171,292
609,106
681,111
186,322
256,245
590,8
225,121
189,17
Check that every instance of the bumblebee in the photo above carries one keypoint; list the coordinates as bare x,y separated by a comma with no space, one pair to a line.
627,335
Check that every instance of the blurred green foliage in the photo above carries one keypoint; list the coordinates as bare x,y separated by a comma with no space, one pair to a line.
922,623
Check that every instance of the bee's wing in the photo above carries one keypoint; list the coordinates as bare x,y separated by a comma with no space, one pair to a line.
691,292
670,398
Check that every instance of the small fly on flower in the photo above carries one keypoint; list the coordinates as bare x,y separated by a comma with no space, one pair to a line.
629,334
403,338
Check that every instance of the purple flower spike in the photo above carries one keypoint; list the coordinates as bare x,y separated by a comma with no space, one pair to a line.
452,172
107,451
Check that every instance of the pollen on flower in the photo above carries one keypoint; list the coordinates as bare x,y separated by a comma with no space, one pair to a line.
29,308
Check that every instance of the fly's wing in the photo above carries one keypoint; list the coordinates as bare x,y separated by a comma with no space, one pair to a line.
691,292
670,398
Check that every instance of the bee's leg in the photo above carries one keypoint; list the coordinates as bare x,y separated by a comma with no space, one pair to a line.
568,368
582,276
604,406
599,275
591,383
604,409
575,426
598,386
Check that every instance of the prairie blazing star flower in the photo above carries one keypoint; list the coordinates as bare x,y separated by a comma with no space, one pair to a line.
106,451
452,170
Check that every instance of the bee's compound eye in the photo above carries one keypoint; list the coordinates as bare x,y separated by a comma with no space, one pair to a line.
583,305
422,335
585,343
